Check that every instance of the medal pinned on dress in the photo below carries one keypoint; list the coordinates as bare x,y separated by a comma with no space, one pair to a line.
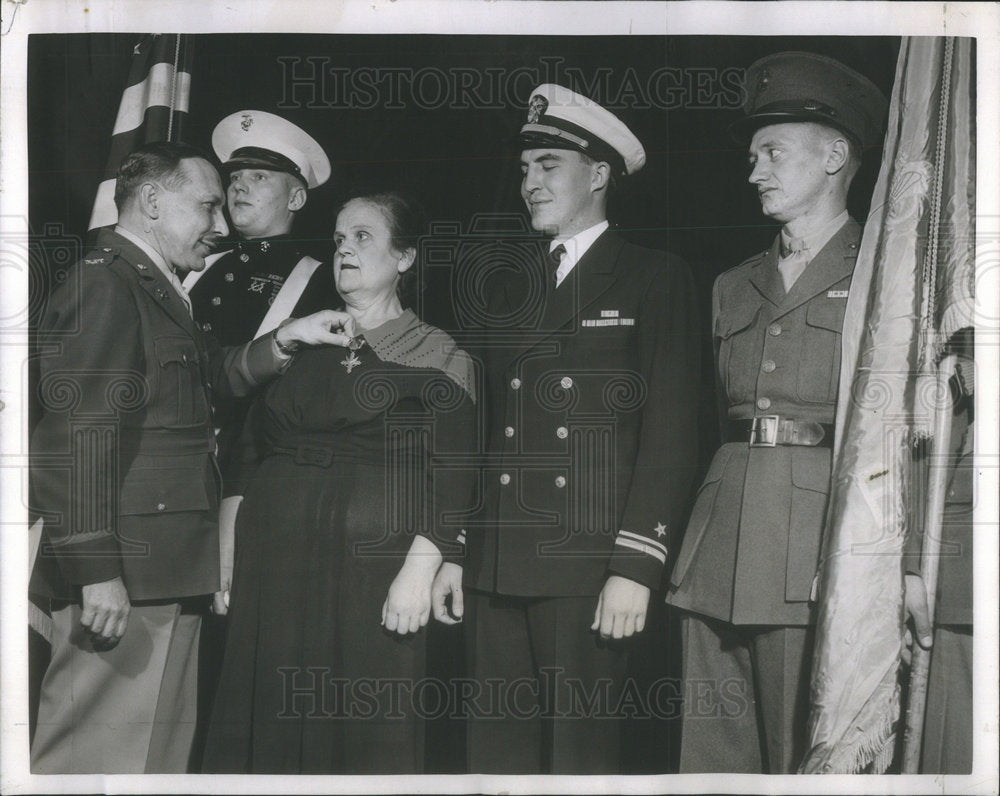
353,346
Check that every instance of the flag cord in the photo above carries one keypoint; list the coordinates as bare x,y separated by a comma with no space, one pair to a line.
173,87
930,343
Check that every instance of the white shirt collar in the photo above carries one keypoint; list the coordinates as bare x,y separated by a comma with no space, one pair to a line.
576,247
160,263
153,255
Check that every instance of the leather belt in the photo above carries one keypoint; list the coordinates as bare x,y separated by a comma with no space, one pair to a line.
767,431
312,455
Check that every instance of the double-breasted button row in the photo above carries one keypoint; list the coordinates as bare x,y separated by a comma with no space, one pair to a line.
560,480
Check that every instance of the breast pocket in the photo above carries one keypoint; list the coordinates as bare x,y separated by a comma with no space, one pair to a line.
180,400
739,352
819,358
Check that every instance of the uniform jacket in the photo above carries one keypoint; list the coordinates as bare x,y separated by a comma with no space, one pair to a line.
230,300
591,392
752,543
122,458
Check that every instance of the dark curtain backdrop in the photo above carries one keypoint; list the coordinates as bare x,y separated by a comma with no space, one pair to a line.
432,114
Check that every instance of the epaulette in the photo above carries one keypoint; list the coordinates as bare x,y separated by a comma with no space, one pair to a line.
752,260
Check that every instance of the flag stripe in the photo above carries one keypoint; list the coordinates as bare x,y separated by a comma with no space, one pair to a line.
156,89
153,107
104,212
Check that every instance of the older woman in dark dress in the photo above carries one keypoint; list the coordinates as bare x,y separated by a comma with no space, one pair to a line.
341,527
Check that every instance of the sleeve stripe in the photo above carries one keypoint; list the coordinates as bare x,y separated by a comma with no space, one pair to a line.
643,539
643,548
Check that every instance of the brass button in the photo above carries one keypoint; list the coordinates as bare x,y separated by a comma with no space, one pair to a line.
774,329
565,382
515,383
763,403
505,479
508,432
560,481
562,432
768,366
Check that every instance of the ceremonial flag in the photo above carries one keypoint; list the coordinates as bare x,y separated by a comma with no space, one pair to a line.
153,107
912,287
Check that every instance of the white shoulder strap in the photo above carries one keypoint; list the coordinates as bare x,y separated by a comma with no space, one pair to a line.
193,276
289,295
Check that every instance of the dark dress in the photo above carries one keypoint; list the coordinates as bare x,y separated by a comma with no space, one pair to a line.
354,463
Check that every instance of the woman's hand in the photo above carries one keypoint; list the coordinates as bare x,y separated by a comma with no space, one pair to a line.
407,607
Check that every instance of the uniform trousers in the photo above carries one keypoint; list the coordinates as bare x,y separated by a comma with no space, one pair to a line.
129,710
947,745
548,687
746,694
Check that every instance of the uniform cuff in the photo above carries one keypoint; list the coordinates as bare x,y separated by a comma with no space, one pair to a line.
638,558
453,552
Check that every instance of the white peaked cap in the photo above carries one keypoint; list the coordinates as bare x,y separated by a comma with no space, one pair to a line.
561,118
257,139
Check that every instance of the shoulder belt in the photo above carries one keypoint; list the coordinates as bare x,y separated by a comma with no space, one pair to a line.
289,295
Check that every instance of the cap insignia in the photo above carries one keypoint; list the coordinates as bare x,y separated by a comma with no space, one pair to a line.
762,81
536,108
247,121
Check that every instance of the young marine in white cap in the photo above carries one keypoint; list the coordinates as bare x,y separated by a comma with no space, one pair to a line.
268,166
590,458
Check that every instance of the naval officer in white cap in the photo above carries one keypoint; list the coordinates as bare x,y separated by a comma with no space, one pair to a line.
590,460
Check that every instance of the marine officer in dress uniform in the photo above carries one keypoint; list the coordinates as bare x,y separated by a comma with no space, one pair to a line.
592,412
751,549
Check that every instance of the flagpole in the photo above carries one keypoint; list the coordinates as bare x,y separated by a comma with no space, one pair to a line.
930,558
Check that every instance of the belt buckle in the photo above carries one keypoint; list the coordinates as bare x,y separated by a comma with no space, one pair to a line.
313,455
764,431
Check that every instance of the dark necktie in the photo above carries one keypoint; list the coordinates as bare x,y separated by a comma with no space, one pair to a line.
555,259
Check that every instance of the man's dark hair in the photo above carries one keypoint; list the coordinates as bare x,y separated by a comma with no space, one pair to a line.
159,162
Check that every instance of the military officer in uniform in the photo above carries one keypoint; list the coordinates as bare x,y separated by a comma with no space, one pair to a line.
592,413
123,472
751,549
